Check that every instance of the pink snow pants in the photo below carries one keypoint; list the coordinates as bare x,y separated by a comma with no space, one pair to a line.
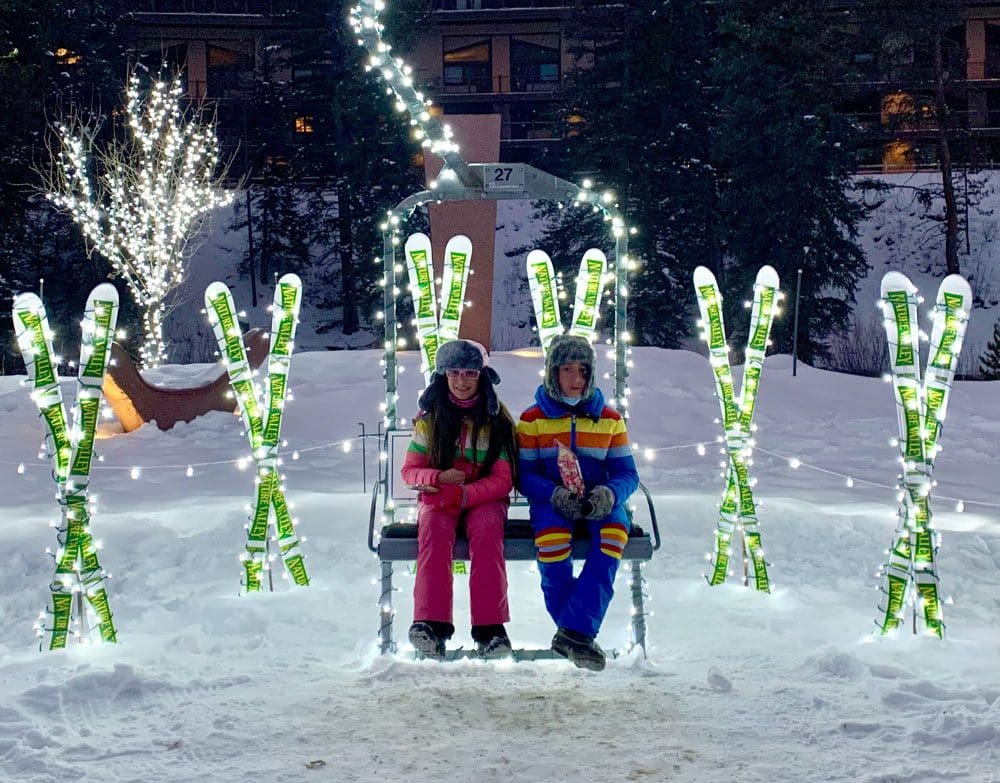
433,590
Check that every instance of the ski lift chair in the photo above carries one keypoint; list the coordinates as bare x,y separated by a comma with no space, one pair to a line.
391,539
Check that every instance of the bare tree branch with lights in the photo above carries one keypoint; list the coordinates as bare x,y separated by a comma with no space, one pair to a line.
141,197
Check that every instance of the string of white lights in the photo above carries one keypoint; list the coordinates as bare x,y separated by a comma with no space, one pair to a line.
795,463
241,462
701,447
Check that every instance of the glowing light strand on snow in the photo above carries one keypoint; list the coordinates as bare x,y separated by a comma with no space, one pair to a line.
69,443
262,421
738,510
910,576
344,444
139,202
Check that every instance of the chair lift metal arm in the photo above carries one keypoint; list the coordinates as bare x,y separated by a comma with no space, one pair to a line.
371,517
652,516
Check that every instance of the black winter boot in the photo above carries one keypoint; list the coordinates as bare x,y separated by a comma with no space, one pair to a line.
427,641
582,650
491,641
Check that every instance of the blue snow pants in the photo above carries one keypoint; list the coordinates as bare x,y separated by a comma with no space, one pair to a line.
578,603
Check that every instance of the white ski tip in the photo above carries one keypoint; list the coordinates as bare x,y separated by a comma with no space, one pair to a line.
417,240
105,292
290,279
459,244
27,301
703,276
538,257
214,291
767,276
958,286
596,253
896,281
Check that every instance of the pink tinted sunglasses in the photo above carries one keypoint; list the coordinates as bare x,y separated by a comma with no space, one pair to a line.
468,375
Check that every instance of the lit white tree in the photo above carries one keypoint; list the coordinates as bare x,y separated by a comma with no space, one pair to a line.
140,199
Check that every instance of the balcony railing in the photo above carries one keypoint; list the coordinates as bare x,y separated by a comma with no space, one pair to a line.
243,7
532,130
972,120
490,85
467,87
528,84
495,5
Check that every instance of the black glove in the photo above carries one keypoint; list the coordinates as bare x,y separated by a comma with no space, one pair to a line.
566,504
600,501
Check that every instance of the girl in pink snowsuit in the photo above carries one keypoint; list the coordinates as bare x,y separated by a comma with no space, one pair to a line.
461,458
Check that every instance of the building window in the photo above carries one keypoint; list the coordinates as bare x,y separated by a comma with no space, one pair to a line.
230,68
899,110
530,121
898,156
468,67
992,65
533,66
609,63
66,56
304,124
574,124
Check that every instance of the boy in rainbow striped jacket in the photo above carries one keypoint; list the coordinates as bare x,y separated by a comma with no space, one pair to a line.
569,409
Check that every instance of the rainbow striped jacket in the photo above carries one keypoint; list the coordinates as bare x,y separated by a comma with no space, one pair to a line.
594,431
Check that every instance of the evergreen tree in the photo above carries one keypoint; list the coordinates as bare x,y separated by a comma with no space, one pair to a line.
785,160
329,157
637,110
53,57
990,361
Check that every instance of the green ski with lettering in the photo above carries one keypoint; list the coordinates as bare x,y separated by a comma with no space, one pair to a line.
262,411
455,278
738,511
544,298
910,577
78,591
589,285
420,267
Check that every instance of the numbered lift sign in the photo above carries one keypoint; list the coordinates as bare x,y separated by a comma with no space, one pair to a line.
506,176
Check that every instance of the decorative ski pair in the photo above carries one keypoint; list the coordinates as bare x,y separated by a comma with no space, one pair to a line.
263,424
738,510
69,444
910,576
432,331
589,283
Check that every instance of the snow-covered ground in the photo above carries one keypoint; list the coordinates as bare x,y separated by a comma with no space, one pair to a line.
207,685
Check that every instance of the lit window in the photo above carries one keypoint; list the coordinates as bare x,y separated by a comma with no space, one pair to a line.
65,57
898,156
304,124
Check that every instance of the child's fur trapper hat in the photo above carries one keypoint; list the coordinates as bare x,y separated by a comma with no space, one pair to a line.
461,355
563,349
